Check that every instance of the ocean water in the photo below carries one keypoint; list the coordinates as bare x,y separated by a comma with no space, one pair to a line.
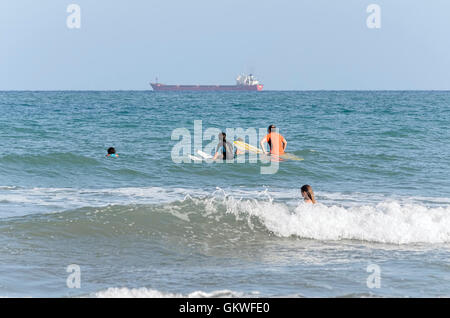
143,225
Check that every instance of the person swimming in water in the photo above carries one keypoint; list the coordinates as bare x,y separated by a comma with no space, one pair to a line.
308,194
277,143
112,153
224,149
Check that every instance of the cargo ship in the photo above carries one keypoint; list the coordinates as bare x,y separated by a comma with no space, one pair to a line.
243,83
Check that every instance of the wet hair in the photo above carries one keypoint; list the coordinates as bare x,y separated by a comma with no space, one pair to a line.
270,128
223,136
111,150
309,192
223,139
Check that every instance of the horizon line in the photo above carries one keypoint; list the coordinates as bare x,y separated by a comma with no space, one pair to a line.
232,92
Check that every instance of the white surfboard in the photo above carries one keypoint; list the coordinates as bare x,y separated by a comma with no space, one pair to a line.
204,155
194,158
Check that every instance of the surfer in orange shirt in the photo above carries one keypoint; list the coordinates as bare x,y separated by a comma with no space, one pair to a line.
276,142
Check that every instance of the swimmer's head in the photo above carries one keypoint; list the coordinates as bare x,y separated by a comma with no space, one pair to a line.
270,128
111,150
223,136
308,193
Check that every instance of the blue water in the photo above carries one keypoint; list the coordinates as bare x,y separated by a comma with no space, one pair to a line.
144,225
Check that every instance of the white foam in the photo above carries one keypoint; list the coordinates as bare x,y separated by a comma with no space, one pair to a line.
153,293
386,222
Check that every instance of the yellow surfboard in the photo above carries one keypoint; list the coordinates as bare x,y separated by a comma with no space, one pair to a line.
246,147
290,156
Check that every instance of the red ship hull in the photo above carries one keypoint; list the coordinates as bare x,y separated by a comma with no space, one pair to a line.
163,87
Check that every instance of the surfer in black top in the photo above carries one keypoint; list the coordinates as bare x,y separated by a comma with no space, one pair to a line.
224,149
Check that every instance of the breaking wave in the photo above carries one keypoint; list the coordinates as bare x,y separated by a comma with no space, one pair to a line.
228,219
143,292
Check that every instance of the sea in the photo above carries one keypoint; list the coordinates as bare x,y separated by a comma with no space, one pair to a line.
153,223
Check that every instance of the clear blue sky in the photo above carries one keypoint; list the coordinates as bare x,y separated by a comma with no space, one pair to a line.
292,45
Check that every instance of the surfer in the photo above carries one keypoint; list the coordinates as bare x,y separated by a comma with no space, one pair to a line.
112,153
224,149
276,142
308,194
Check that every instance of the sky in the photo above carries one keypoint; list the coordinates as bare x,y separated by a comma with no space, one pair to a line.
287,44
